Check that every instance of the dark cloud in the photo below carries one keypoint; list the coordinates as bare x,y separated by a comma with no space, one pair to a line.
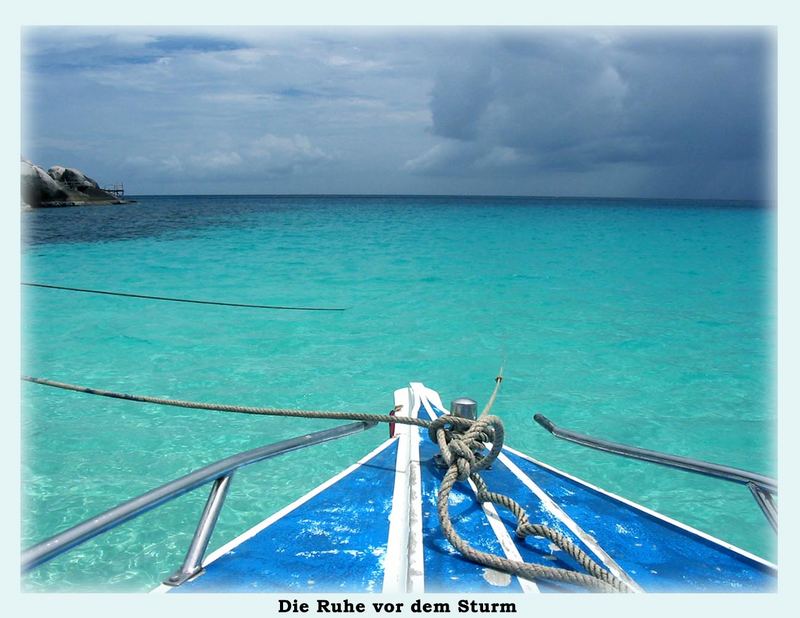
460,97
667,102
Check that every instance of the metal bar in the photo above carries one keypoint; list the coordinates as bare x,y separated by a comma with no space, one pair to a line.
727,473
193,563
66,540
766,503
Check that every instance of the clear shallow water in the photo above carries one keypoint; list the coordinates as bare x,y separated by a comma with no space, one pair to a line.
640,321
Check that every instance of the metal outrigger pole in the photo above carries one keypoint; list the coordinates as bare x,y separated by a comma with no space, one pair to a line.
762,487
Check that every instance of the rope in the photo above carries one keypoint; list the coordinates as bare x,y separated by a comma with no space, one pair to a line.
223,407
461,442
459,450
497,382
179,300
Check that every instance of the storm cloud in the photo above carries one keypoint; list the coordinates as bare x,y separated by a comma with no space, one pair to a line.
688,110
652,113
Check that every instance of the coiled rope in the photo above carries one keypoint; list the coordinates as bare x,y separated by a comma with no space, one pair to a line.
461,442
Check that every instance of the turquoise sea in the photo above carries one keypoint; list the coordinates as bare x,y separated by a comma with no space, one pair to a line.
647,322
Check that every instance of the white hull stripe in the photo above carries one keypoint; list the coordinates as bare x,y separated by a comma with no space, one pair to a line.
402,541
416,556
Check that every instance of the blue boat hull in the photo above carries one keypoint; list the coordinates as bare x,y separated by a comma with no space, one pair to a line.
374,528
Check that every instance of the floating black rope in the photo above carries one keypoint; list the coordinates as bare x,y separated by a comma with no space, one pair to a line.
180,300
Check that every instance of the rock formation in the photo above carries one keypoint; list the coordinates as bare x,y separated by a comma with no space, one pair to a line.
60,186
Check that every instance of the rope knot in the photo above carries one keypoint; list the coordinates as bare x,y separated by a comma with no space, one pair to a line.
449,424
461,439
461,453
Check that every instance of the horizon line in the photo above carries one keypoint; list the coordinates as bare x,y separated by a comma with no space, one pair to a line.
462,195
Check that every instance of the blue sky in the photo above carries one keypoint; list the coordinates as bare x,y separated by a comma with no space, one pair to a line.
523,111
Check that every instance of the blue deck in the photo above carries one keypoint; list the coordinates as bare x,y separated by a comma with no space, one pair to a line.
333,542
336,540
659,555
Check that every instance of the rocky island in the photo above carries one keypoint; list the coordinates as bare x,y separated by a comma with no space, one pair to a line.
61,186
